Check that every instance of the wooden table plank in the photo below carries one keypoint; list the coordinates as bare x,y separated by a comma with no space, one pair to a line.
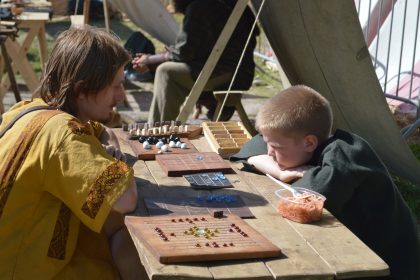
147,187
336,245
300,260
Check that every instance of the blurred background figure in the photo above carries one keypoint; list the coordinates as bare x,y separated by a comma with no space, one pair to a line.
177,69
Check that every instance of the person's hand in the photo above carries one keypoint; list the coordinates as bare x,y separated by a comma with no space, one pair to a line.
115,152
140,63
287,175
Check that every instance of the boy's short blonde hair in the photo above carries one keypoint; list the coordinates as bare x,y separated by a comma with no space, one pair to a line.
297,111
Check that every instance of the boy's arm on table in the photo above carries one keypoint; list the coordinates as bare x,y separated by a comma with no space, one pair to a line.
267,165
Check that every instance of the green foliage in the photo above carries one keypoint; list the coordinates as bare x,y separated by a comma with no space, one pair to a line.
410,191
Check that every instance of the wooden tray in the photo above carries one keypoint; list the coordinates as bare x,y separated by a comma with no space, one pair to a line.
190,163
171,238
226,138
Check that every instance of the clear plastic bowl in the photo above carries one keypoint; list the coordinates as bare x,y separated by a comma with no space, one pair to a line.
304,208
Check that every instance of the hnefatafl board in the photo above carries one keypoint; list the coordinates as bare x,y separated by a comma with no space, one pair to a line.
191,163
174,239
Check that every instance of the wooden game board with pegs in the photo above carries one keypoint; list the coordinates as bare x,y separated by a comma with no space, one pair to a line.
190,163
195,238
226,138
150,154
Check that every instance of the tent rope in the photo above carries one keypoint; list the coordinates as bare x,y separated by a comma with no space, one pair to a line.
240,60
76,7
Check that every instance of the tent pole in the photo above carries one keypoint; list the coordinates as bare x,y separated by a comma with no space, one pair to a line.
86,8
212,60
105,4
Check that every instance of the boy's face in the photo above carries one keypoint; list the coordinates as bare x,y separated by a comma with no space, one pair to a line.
289,152
99,107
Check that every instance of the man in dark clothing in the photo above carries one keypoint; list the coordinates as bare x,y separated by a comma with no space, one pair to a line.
202,24
295,125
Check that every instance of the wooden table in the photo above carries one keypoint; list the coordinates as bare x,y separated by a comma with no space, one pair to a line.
35,23
325,250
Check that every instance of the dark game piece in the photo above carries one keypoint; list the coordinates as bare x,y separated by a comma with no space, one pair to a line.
218,214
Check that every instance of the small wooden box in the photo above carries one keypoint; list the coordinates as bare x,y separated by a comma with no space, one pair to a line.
226,138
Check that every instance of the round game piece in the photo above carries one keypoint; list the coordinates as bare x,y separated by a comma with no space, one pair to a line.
178,144
159,144
163,148
164,140
177,139
172,144
142,139
184,146
146,145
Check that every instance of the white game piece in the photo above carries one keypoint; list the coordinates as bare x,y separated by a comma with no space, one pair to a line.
164,148
143,132
178,144
172,144
155,131
186,128
180,128
159,144
184,146
146,145
175,129
159,152
138,132
150,131
165,129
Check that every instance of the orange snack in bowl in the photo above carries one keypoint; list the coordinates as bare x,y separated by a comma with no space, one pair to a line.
304,208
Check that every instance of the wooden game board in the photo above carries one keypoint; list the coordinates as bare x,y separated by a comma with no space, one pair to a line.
149,154
193,206
195,238
226,138
178,165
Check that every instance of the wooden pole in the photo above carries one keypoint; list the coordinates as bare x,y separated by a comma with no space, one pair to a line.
86,10
106,15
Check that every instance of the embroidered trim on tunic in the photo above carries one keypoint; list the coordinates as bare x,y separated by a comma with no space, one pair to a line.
58,242
18,154
78,128
102,186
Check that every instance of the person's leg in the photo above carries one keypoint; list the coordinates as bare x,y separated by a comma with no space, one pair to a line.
171,86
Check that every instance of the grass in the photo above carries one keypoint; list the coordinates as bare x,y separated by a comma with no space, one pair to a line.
266,84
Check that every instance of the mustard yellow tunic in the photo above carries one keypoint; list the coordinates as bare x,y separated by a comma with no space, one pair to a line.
56,191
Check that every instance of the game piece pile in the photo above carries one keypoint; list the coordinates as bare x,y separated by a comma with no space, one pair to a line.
163,144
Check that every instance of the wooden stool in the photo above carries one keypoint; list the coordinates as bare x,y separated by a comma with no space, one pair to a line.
234,100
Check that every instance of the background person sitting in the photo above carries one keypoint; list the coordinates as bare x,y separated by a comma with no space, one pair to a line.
179,67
